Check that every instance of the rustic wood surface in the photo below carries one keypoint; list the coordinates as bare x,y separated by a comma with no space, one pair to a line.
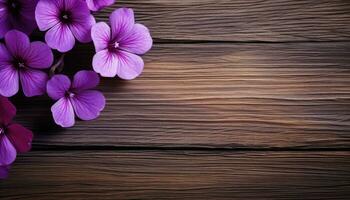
179,175
242,20
238,100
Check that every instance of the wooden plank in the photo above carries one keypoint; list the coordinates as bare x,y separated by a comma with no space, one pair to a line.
215,95
242,20
179,175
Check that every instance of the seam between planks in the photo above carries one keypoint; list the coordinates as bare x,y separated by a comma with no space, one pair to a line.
183,41
149,148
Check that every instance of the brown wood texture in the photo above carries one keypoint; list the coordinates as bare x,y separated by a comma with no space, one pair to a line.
179,175
242,20
217,95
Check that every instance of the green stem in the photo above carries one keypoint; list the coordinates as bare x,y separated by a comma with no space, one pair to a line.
58,66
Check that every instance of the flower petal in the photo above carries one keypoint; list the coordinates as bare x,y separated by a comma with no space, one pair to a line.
84,80
129,66
122,21
63,113
4,171
96,5
25,20
101,35
28,8
39,56
5,26
46,14
139,41
60,37
23,24
75,6
3,10
9,81
7,111
88,104
57,86
5,56
105,63
33,82
17,42
20,137
81,28
7,151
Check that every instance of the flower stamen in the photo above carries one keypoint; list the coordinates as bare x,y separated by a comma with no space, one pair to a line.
21,65
116,45
65,17
13,6
113,46
70,94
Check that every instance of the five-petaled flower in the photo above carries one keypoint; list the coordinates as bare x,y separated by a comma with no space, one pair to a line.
96,5
14,138
21,61
65,20
17,14
118,48
77,97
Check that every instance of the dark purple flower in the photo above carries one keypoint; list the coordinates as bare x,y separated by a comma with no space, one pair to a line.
65,20
77,97
21,61
96,5
17,14
118,47
14,138
4,171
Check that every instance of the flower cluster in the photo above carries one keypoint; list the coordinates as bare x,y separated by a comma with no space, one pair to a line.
26,64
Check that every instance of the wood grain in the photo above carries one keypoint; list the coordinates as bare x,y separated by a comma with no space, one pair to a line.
179,175
242,20
216,95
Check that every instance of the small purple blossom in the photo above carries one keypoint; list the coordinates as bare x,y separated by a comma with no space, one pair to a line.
118,48
17,14
14,138
22,61
96,5
75,98
65,20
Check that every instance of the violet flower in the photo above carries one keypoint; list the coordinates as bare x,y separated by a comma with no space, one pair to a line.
78,97
118,47
17,14
96,5
4,171
22,61
14,138
65,20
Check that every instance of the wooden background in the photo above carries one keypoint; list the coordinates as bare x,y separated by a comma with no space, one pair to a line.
243,99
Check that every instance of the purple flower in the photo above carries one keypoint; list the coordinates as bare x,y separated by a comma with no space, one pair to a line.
118,47
65,20
14,138
75,98
17,14
21,61
96,5
4,171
